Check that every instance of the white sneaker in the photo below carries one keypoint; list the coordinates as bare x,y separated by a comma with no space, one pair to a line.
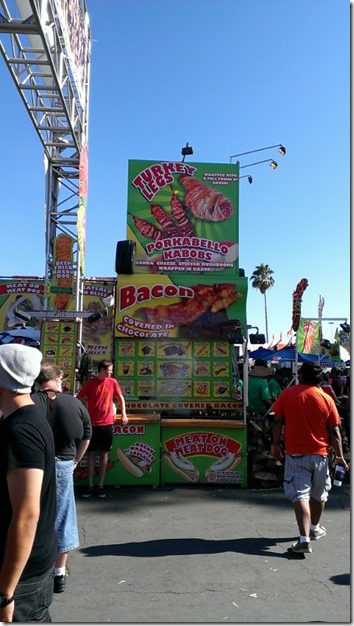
317,534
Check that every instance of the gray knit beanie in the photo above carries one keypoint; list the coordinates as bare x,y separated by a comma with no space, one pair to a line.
19,367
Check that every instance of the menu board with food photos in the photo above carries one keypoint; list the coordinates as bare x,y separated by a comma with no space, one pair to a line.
58,344
174,373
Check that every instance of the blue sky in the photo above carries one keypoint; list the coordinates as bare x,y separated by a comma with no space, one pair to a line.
227,76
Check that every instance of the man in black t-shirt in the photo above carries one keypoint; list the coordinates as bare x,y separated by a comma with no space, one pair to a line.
72,431
27,492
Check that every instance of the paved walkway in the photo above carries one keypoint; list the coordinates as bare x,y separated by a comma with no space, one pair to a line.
200,554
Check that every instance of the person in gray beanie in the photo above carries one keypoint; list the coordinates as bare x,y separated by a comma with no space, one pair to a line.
27,492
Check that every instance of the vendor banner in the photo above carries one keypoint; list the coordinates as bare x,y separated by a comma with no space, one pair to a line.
81,212
197,454
97,336
174,340
20,295
61,285
308,337
183,217
156,306
26,295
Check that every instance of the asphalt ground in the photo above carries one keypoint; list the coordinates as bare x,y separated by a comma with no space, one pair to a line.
186,554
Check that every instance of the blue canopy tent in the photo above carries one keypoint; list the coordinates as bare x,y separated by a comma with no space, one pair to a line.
289,354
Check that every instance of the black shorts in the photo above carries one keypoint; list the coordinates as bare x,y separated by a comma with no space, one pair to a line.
102,437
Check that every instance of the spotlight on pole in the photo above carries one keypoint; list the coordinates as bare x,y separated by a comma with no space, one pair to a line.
187,150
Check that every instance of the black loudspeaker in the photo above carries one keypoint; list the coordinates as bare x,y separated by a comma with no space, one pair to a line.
241,272
125,252
257,338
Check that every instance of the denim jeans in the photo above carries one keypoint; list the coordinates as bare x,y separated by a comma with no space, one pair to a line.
66,521
33,598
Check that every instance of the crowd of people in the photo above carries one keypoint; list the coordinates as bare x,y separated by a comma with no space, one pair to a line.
265,383
44,433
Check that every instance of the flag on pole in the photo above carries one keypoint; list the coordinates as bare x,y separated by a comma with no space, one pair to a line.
290,335
308,337
320,311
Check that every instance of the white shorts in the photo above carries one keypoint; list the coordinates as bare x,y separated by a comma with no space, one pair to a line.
306,477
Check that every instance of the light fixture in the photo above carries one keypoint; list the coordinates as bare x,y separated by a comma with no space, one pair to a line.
345,327
94,317
257,338
282,150
108,301
326,344
187,150
249,178
273,164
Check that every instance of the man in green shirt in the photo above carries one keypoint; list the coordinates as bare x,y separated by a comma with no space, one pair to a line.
259,396
276,383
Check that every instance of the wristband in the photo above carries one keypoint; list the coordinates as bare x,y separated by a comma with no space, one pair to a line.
5,600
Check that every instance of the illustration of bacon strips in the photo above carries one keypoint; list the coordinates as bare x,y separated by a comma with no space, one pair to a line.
207,297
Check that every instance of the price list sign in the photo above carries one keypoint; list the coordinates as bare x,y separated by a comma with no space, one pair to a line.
58,344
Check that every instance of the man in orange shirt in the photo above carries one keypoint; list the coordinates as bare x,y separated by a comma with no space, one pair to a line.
311,426
98,395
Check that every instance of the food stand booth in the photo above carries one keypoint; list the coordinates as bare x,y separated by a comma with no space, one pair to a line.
180,308
135,455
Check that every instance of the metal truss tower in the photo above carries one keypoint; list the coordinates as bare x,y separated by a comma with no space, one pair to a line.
34,47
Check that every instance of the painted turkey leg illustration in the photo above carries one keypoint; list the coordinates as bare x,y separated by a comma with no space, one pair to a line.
204,202
162,217
146,228
180,214
207,297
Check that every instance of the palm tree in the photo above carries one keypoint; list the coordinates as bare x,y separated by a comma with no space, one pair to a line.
262,279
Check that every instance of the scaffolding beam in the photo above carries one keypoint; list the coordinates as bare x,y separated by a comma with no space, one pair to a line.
34,48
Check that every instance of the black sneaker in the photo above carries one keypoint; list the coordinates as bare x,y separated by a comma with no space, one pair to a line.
88,493
100,492
59,584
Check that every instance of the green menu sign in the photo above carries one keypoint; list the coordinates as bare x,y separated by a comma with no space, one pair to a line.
135,455
203,452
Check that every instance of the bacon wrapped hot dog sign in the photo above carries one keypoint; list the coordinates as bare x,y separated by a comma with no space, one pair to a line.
181,216
204,456
137,459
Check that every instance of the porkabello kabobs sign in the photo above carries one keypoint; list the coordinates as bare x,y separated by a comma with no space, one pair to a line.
183,217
